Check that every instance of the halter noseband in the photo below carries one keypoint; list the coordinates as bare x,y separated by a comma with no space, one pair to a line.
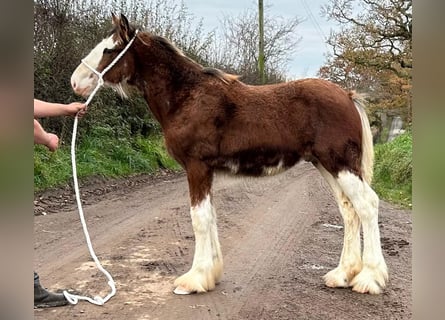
101,74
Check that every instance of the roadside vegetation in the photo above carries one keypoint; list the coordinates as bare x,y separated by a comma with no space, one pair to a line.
393,170
100,155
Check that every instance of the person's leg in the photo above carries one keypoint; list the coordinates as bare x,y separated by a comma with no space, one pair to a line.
44,298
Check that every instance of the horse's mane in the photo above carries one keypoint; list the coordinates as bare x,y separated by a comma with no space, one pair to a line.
224,77
169,46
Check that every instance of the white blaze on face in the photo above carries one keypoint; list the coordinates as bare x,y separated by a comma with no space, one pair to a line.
83,79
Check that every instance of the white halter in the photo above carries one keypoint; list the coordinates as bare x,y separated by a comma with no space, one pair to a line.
100,75
72,298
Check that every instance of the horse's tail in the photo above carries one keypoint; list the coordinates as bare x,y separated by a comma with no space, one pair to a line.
367,144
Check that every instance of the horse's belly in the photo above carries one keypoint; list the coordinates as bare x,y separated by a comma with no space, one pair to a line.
258,162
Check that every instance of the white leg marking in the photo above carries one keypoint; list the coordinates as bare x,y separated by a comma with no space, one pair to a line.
372,278
350,260
207,264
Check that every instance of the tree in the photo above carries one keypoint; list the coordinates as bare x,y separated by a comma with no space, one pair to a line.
373,50
238,52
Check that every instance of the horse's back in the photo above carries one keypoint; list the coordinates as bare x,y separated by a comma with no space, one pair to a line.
293,113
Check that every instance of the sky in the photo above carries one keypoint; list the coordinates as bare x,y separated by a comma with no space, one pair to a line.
311,50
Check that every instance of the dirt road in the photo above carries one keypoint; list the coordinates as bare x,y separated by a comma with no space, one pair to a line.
279,236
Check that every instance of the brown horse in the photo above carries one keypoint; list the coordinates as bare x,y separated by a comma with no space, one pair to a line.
214,123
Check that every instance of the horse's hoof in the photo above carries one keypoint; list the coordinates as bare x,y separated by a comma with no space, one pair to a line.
340,277
371,281
182,291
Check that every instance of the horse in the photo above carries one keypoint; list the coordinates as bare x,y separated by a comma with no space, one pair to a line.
214,123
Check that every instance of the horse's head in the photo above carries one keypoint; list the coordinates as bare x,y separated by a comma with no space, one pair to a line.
84,80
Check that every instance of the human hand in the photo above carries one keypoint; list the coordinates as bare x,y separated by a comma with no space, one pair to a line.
76,108
51,141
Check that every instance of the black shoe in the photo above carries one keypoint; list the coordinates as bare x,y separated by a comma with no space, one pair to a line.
46,299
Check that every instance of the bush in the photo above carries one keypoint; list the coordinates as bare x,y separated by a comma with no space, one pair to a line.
393,170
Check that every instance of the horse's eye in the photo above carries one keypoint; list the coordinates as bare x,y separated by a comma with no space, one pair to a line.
106,50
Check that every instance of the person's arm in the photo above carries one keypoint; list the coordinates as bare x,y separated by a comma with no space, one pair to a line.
48,109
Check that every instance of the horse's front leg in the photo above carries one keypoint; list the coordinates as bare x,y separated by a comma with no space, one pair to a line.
206,270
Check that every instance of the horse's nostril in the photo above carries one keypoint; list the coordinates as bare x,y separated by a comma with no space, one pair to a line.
73,84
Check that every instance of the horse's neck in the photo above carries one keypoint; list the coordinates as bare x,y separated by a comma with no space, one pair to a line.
162,86
158,98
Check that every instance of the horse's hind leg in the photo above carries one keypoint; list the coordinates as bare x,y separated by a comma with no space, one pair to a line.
350,260
374,274
206,270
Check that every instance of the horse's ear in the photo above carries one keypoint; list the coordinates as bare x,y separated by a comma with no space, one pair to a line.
124,19
126,32
114,19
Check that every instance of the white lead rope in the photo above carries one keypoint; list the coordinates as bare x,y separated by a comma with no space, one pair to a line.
73,298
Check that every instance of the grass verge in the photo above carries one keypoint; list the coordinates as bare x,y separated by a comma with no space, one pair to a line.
393,170
99,156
